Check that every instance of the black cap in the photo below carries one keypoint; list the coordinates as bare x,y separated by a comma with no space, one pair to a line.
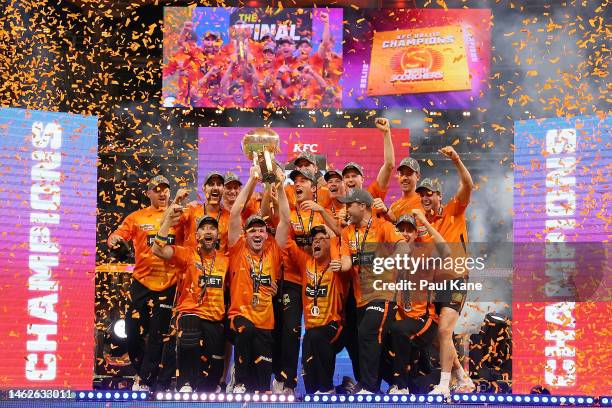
331,173
317,230
157,181
229,177
429,184
357,195
410,163
207,219
406,218
352,166
303,40
311,158
304,173
254,219
214,174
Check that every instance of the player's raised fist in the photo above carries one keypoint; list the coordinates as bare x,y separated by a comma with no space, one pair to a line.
255,172
418,214
383,124
449,152
181,195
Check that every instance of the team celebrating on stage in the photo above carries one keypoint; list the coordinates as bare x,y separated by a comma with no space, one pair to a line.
239,272
269,73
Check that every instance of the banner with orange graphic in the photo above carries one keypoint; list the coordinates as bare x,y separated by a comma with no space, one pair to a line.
431,59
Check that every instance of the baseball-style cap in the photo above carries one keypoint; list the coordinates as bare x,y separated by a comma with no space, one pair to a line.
429,184
229,177
317,230
269,47
302,41
214,174
304,173
310,157
352,166
254,219
207,219
212,34
332,173
410,163
406,218
357,195
157,181
283,40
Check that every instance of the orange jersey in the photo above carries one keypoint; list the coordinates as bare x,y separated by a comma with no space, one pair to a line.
415,303
189,222
196,274
381,238
451,223
377,192
245,276
141,227
300,235
332,289
404,206
334,209
322,196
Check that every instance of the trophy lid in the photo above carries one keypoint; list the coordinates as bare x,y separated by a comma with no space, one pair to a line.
260,139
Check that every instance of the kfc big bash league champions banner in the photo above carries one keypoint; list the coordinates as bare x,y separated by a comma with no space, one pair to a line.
48,246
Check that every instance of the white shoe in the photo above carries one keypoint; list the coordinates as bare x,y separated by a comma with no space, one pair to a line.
239,389
465,386
186,388
363,391
137,386
278,387
439,390
232,380
394,390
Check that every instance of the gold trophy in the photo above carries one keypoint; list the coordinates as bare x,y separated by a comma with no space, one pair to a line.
259,145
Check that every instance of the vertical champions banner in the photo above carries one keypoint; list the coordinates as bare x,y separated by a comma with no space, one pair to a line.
561,297
48,246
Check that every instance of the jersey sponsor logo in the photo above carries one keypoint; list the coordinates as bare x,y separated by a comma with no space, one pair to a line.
376,308
265,280
310,291
303,240
210,281
365,258
146,227
151,239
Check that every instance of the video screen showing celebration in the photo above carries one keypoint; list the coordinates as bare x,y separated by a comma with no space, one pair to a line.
252,58
417,58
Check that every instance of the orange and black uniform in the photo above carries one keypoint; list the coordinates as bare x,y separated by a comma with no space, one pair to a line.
189,222
201,311
415,326
450,222
151,293
320,195
251,312
323,299
375,308
288,328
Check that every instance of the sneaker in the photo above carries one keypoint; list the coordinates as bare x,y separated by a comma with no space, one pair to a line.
232,380
439,390
186,388
347,386
395,390
465,386
277,386
363,391
136,385
239,389
325,392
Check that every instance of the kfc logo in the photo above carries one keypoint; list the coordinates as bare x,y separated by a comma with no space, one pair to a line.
306,147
